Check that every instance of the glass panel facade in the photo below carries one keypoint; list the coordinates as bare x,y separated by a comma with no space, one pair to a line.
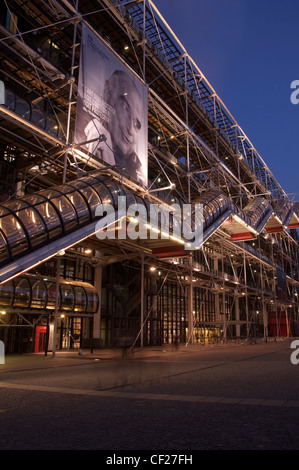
172,313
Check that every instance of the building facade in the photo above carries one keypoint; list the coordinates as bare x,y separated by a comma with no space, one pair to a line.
109,131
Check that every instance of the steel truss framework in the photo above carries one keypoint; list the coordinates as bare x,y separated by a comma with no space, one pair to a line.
195,147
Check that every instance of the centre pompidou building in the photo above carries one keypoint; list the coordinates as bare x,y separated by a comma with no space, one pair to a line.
109,131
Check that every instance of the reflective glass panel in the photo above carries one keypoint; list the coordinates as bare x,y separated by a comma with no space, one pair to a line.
38,117
91,197
92,300
52,125
208,214
15,205
39,294
22,107
50,217
80,299
51,290
10,99
67,211
63,206
103,192
6,293
3,248
214,208
22,293
130,198
34,225
115,190
14,233
67,297
80,205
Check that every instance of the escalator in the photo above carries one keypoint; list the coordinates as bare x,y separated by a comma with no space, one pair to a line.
36,227
39,226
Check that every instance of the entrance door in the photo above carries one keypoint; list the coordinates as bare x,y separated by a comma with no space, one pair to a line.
40,338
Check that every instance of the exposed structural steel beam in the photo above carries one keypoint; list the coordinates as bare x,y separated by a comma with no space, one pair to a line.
202,92
197,153
171,46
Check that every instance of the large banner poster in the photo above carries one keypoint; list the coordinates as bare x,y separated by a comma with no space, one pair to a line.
112,102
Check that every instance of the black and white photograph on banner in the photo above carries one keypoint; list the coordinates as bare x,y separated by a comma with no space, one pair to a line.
112,109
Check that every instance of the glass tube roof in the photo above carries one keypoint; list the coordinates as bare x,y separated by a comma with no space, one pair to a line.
39,292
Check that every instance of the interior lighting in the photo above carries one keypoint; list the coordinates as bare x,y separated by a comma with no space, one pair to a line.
152,268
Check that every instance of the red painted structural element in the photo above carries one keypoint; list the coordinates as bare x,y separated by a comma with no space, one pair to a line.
242,236
281,324
170,251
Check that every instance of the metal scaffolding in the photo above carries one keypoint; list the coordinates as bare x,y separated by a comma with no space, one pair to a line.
197,152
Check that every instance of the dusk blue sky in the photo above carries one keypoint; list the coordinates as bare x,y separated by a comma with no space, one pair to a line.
249,52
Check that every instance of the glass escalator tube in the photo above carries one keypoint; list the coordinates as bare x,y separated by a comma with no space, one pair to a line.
33,221
37,292
14,232
257,210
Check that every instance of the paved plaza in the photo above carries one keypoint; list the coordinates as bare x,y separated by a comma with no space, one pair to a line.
214,397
